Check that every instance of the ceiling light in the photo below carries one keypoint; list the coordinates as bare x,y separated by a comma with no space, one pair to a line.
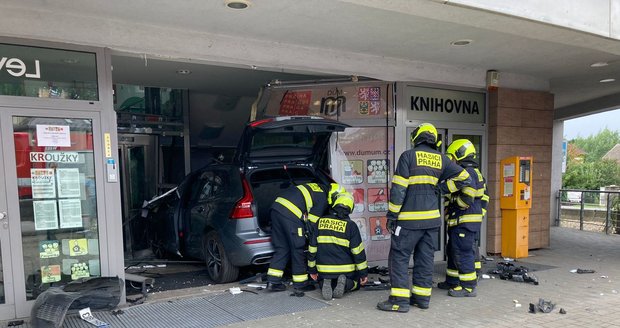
599,64
607,80
184,71
462,42
237,4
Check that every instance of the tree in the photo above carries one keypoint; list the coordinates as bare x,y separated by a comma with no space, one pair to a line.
596,146
591,175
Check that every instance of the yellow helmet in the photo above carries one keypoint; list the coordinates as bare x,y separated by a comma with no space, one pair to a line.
334,190
344,199
460,149
425,132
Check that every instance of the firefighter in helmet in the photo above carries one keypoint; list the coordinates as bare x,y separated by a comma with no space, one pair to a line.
293,211
464,223
336,256
422,174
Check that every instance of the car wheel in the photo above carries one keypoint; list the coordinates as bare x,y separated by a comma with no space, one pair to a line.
218,266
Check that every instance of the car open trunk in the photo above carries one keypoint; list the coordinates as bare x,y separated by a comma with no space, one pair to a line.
268,183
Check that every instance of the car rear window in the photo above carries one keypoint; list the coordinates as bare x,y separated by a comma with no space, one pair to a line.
282,139
299,175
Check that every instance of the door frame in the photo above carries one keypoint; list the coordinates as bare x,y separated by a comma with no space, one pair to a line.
22,306
7,309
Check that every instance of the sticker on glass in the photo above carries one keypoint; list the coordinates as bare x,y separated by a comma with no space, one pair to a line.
78,247
45,214
49,249
50,273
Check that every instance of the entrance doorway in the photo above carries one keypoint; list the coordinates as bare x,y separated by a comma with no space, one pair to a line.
138,172
447,136
52,226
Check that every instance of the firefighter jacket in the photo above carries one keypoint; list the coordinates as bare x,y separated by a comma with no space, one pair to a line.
468,217
301,201
336,248
421,175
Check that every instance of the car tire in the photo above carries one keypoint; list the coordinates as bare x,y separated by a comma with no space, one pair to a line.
218,266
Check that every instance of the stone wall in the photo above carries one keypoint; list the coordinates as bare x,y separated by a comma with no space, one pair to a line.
521,124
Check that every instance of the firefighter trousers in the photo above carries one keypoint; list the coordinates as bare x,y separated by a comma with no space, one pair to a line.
422,244
289,243
461,257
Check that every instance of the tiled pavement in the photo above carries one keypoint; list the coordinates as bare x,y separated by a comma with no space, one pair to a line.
590,300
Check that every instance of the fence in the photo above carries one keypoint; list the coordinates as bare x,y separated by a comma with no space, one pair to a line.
590,210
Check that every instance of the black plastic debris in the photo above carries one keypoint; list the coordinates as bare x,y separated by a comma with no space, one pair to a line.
532,308
562,311
545,306
509,271
380,270
585,271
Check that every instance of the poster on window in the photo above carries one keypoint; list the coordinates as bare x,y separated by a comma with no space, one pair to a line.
377,199
70,213
68,182
45,214
49,249
50,273
43,183
377,170
53,136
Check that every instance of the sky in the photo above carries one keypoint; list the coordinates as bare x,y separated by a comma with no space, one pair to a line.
592,124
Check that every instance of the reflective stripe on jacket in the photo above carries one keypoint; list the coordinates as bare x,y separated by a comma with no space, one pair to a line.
421,175
472,216
307,199
336,248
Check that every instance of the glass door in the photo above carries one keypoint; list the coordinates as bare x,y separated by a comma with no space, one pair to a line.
50,177
7,303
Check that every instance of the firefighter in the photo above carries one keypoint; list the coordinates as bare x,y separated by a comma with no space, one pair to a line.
464,224
336,256
292,211
422,174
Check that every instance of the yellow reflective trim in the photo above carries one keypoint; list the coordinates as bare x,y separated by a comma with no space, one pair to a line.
462,177
419,215
335,268
451,186
313,218
332,240
452,273
452,222
423,179
480,178
307,197
290,206
478,265
461,203
480,192
484,211
312,249
275,272
468,218
397,179
361,266
469,191
358,249
394,208
468,276
400,292
421,291
300,277
354,284
485,198
311,264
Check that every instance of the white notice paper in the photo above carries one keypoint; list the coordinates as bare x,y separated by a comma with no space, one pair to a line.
45,214
53,136
68,182
43,183
70,213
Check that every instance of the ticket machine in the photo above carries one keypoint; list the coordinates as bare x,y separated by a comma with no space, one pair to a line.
515,203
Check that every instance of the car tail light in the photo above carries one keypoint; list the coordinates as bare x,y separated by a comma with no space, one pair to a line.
243,207
259,122
257,241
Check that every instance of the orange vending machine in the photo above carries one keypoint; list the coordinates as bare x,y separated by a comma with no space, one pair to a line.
515,203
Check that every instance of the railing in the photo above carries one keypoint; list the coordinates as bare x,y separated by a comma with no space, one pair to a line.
590,210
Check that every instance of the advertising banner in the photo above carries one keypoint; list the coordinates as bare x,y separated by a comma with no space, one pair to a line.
361,161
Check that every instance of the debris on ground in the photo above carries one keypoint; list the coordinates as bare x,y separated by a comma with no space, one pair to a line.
380,270
545,306
87,316
508,271
585,271
562,311
375,285
517,304
257,285
235,290
485,276
15,323
508,259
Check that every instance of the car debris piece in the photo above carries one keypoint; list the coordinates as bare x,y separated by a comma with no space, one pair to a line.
235,290
545,306
585,271
381,270
532,308
87,316
255,285
508,271
562,311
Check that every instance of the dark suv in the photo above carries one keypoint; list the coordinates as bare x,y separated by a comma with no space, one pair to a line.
220,213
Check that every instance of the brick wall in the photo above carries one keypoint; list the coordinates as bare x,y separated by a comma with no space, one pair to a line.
521,124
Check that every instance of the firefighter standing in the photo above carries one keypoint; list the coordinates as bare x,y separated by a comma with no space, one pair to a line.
336,255
464,224
414,218
290,214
